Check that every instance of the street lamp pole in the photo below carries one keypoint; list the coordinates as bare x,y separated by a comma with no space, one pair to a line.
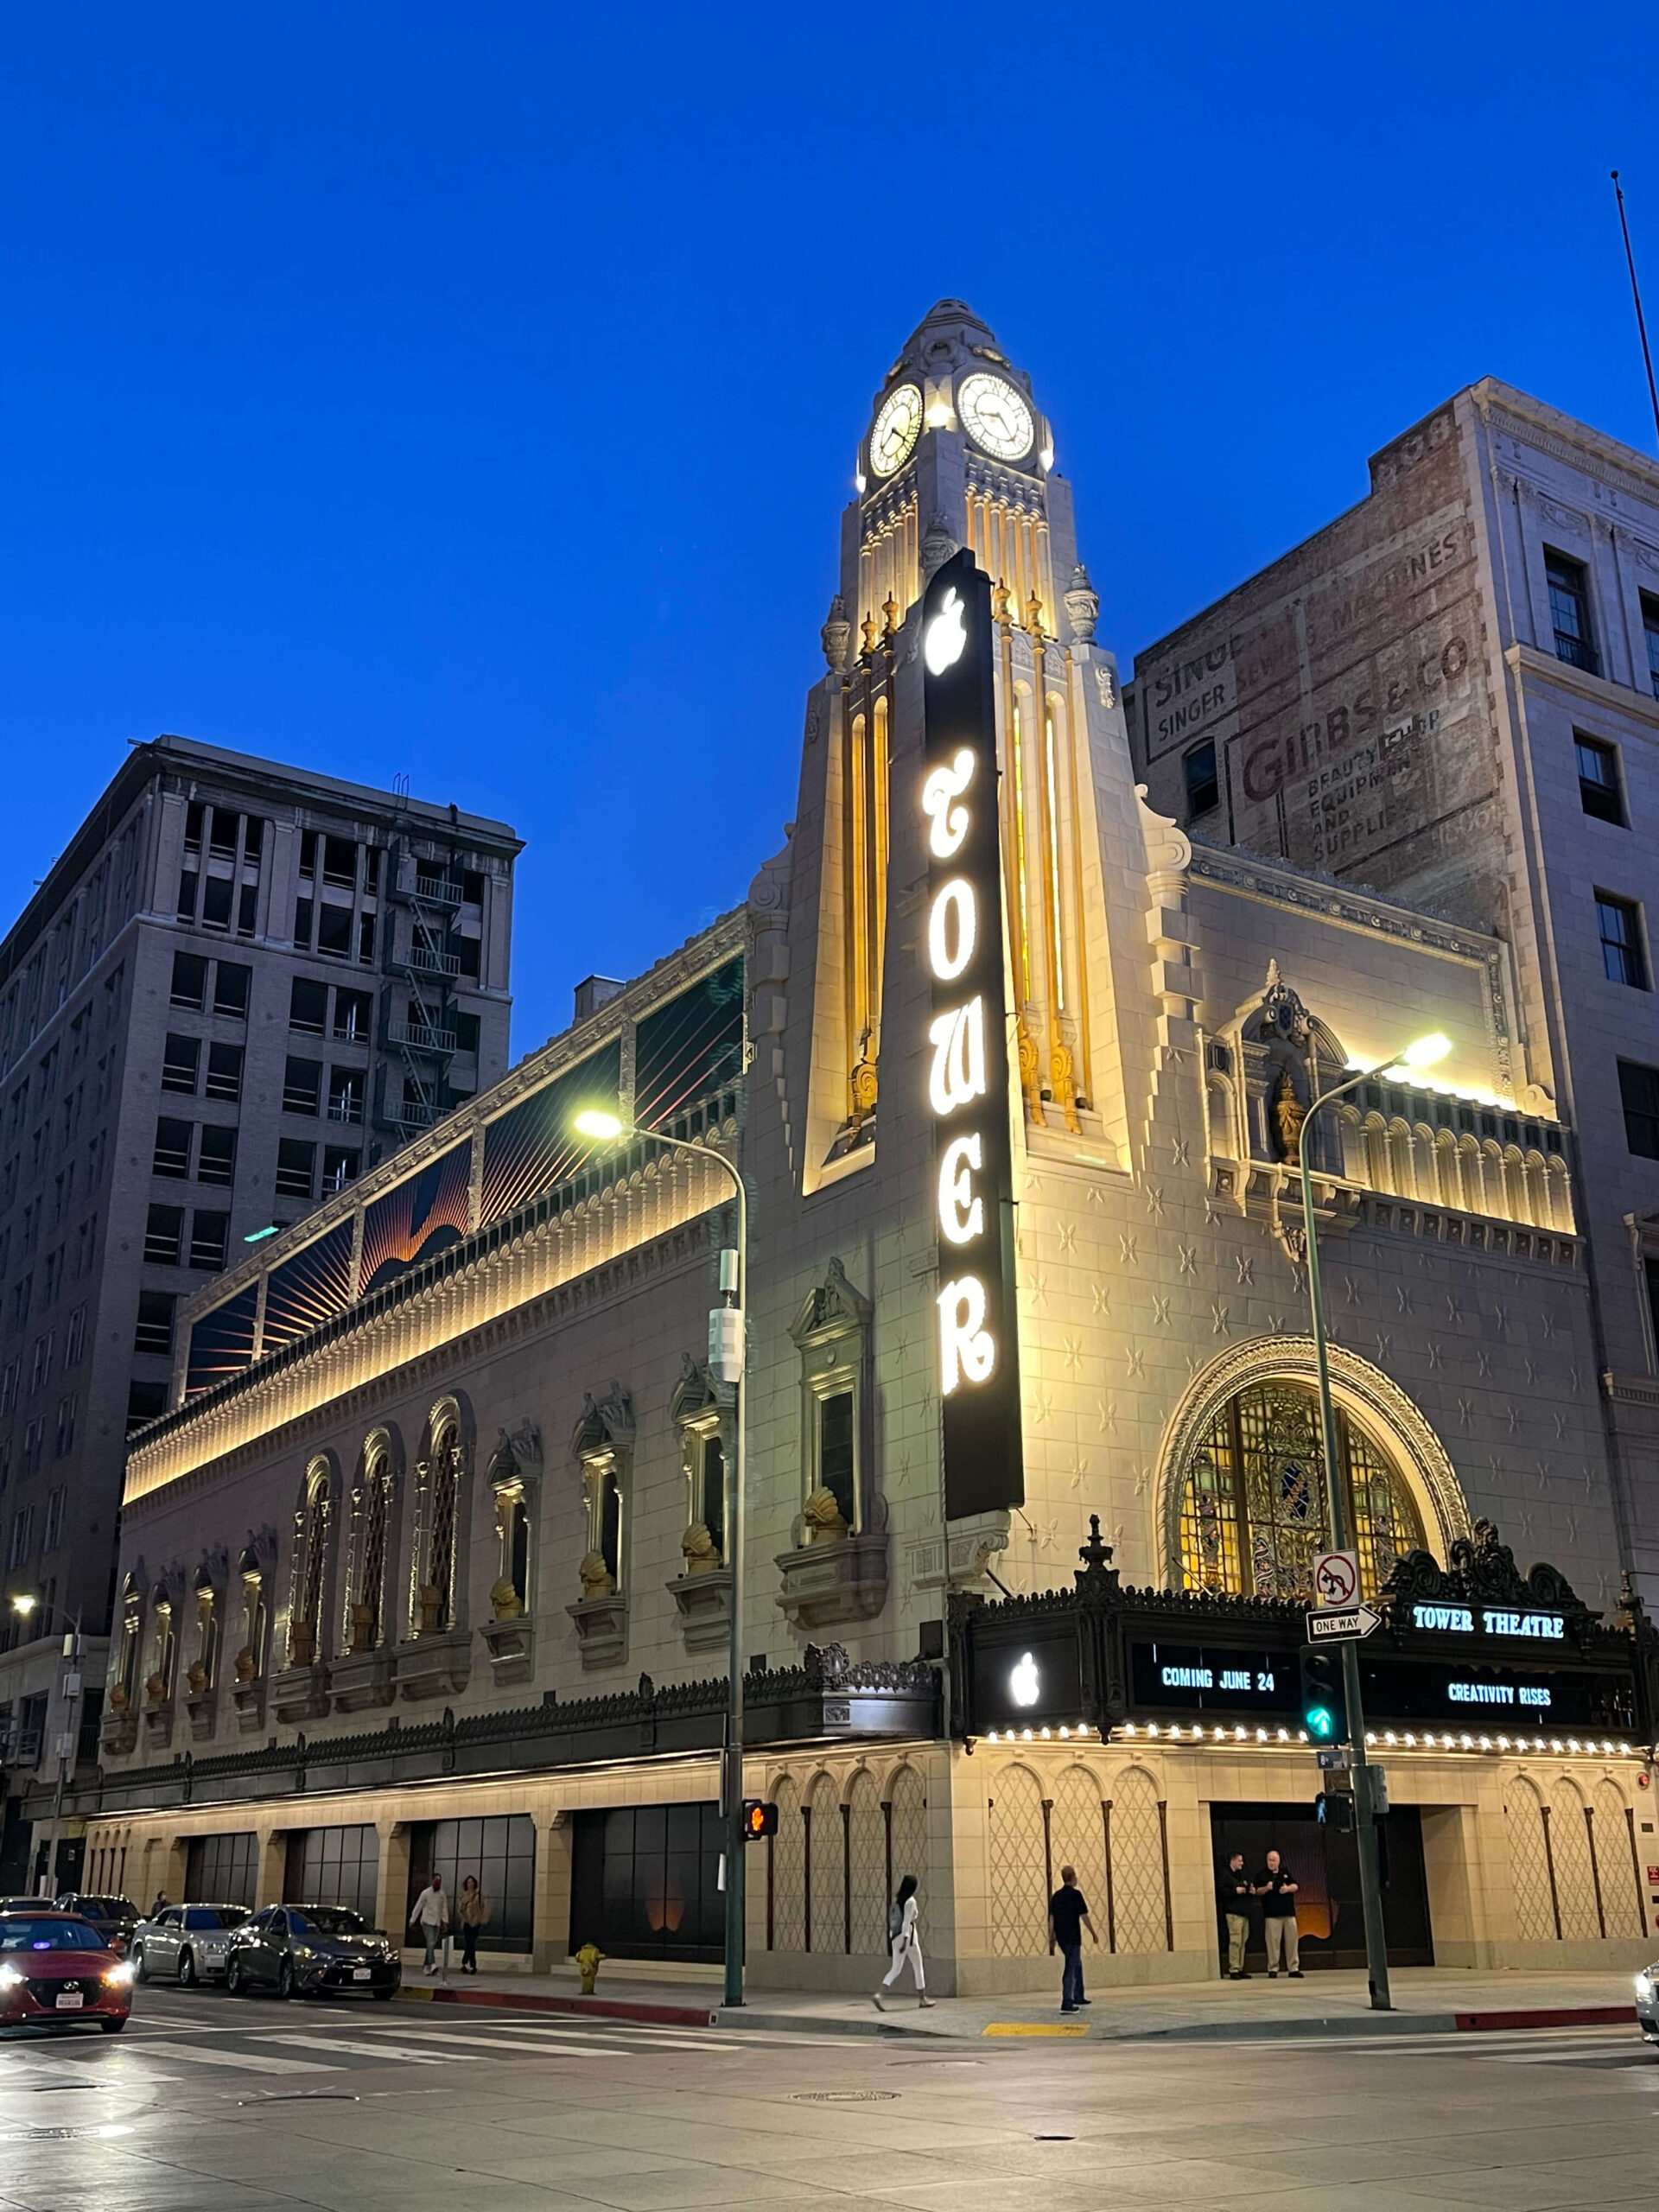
1422,1054
25,1607
609,1126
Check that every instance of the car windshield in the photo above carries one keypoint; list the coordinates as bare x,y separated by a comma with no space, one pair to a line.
107,1908
215,1916
327,1920
35,1932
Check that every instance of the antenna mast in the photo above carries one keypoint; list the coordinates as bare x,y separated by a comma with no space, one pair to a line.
1635,294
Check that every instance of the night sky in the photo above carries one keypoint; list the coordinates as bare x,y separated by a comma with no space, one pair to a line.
473,392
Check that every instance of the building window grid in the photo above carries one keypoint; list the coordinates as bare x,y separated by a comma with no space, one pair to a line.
1599,781
1624,956
1650,634
1569,612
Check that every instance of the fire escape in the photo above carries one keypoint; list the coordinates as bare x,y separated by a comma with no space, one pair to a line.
422,1041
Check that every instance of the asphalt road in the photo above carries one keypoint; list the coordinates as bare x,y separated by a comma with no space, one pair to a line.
209,2101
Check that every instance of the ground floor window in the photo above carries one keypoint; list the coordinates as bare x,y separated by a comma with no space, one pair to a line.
645,1882
333,1866
500,1852
1324,1863
1256,1502
223,1869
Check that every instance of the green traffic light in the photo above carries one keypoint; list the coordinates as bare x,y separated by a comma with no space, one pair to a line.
1321,1722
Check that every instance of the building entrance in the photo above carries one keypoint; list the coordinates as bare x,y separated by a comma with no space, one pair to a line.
1325,1865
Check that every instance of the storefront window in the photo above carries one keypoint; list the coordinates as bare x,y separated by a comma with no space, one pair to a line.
500,1852
333,1866
645,1882
1254,1507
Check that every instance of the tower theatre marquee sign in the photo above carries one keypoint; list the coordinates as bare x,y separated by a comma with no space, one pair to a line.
967,1060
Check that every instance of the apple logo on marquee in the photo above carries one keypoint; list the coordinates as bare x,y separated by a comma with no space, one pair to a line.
942,646
1024,1687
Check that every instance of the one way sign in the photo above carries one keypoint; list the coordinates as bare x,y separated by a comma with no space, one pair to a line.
1333,1628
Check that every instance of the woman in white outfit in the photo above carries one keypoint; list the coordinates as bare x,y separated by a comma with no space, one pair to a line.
903,1933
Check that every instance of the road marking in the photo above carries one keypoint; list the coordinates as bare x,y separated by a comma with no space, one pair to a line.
249,2061
549,2049
1033,2027
370,2049
607,2034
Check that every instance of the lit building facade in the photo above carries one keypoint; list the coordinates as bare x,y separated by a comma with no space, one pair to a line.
426,1566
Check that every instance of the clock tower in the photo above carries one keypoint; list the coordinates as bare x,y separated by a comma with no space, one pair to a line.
958,454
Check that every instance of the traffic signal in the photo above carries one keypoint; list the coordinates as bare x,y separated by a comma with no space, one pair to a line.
1335,1810
758,1819
1324,1710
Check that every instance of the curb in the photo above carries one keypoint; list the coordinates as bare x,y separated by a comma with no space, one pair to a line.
1286,2029
1585,2015
604,2008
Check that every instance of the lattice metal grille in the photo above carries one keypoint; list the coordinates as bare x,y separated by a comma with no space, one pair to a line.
440,1544
789,1873
1018,1899
1534,1917
1138,1869
829,1904
1620,1898
1575,1886
868,1839
1079,1838
371,1576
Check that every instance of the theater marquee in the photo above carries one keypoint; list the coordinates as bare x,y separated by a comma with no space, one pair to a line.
967,1076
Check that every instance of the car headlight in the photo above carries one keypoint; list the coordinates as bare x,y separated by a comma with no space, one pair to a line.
118,1977
10,1978
303,1953
1643,1988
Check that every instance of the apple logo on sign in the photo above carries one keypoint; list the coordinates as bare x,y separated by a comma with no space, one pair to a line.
942,647
1023,1686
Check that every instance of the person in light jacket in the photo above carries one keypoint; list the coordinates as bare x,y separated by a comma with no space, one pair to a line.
904,1934
472,1910
431,1916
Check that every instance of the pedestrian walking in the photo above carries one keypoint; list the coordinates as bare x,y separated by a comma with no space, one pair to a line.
1278,1894
1068,1916
904,1934
431,1915
1233,1895
160,1905
472,1910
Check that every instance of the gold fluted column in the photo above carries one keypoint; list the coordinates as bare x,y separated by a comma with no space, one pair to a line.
1014,861
1061,1074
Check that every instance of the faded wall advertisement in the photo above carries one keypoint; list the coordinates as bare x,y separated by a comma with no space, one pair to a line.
1344,692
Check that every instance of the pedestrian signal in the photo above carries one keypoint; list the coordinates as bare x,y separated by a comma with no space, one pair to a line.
1324,1711
1335,1811
758,1819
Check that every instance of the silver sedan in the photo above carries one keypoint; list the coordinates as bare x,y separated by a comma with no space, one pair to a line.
186,1942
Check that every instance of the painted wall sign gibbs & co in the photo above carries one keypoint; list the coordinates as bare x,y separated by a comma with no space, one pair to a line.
968,1075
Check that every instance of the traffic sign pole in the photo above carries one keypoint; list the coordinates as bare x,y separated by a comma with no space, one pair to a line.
1370,1887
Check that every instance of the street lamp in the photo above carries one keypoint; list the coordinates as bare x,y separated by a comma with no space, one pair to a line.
1422,1053
25,1605
607,1127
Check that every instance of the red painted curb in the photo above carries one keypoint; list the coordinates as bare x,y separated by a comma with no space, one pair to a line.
604,2008
1581,2015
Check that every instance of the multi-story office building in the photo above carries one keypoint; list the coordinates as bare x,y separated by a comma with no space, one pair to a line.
427,1567
1451,694
238,987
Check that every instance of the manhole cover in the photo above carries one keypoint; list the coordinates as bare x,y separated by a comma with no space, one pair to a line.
1053,2139
59,2134
843,2096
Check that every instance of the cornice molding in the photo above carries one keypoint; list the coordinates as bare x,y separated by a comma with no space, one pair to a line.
1601,692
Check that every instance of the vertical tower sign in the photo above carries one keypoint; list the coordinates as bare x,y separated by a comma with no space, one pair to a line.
966,1059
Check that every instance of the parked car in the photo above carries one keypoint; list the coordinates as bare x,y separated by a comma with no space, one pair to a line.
1647,2003
115,1918
56,1970
189,1941
306,1949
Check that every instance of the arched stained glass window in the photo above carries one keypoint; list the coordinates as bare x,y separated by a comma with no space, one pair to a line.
1255,1505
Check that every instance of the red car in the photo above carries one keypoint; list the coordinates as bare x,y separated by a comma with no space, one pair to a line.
56,1968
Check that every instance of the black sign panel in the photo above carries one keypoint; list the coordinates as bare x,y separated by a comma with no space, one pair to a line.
966,1074
1493,1699
1192,1678
1030,1680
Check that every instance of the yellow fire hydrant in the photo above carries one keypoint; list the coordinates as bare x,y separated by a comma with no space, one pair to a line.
590,1959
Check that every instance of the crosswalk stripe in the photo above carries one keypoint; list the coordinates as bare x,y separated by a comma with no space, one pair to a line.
199,2055
388,2051
609,2034
548,2047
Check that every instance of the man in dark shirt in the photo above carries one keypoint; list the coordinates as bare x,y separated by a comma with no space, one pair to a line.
1233,1895
1068,1916
1278,1894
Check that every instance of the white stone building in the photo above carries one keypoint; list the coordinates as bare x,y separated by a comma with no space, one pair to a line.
435,1577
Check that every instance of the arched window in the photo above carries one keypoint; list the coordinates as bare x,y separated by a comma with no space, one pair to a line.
310,1558
365,1614
434,1608
1254,1502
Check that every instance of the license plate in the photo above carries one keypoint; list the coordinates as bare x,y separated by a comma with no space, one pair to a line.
70,2000
361,1974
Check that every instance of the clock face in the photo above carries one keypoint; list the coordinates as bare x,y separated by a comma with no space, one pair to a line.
995,416
895,430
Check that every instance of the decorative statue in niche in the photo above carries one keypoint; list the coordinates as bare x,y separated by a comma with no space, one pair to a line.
362,1625
1288,1114
429,1600
597,1580
701,1551
246,1665
303,1643
157,1687
197,1678
823,1517
504,1601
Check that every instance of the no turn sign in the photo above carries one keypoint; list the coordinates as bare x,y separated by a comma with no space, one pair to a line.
1336,1578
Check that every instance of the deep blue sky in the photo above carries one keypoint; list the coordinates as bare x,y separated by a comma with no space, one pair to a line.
473,391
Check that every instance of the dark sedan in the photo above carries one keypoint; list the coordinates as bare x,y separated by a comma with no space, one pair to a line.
307,1949
56,1970
115,1918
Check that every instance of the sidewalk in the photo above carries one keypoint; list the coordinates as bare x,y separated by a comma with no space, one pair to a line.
1428,2000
